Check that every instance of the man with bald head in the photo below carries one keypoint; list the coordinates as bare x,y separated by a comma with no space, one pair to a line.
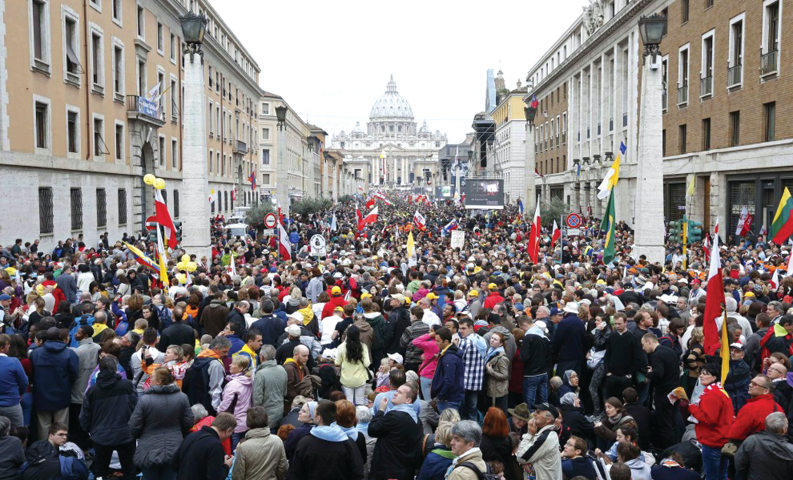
297,379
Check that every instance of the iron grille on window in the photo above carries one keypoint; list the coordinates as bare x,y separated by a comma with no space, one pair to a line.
101,208
122,206
77,208
45,210
176,203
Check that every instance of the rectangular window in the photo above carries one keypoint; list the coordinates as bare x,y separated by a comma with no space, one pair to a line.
265,133
71,44
76,204
173,47
119,141
176,204
769,59
40,28
160,38
99,135
174,154
162,152
266,179
707,65
735,60
769,121
265,108
160,97
735,128
72,132
684,11
122,206
682,76
265,156
706,134
101,208
46,215
141,77
663,142
97,61
116,10
708,3
118,71
141,22
42,113
174,100
682,138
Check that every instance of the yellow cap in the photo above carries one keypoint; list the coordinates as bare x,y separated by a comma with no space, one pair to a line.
432,296
473,293
335,290
492,286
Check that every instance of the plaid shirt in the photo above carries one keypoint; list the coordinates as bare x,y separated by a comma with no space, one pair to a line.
473,362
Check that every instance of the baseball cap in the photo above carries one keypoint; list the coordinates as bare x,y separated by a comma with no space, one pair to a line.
4,297
293,330
432,296
395,357
335,290
473,293
545,407
492,286
737,345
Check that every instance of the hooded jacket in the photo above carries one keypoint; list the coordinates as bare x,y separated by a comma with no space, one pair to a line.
87,358
260,456
107,408
639,469
447,383
429,358
765,456
377,322
412,351
535,352
269,390
201,456
238,391
213,317
397,452
326,453
751,418
55,368
159,421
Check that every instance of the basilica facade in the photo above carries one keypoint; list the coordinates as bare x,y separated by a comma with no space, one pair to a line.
392,152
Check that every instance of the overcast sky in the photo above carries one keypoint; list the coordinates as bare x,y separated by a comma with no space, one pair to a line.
332,60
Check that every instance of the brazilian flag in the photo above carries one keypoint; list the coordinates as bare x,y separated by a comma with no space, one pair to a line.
608,224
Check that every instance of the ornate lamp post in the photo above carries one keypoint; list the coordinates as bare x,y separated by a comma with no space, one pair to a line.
529,196
282,175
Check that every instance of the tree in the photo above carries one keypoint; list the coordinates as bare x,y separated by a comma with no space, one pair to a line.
310,206
255,216
553,210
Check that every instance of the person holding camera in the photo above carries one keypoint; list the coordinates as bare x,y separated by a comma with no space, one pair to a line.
146,355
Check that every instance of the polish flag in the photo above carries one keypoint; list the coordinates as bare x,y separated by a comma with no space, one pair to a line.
714,299
359,217
380,196
283,243
556,234
775,278
534,238
370,217
744,223
419,220
370,203
162,217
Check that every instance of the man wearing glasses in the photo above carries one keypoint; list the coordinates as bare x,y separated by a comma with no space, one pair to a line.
751,417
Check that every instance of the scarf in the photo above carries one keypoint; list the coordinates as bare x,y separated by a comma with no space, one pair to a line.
493,352
406,408
300,374
351,432
616,418
329,433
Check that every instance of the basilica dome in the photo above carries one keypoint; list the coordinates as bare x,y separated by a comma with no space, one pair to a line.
391,104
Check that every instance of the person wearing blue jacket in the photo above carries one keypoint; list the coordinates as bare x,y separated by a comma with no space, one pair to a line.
13,383
55,368
447,383
568,341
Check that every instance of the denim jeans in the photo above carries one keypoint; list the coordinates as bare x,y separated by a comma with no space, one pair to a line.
469,405
426,385
159,472
535,389
235,439
714,464
443,405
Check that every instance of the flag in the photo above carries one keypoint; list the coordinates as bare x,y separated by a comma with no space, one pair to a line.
252,179
612,176
234,194
283,243
534,103
714,299
418,220
789,270
609,251
380,196
537,173
411,246
533,246
555,234
370,217
725,351
211,196
520,206
691,186
744,223
764,229
685,244
453,225
782,225
163,218
154,93
333,225
141,257
369,203
163,259
578,170
775,278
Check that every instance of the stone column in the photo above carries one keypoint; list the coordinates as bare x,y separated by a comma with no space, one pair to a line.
195,191
282,173
649,215
529,189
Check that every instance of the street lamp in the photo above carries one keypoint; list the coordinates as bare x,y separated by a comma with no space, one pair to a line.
280,115
652,30
193,29
282,175
530,111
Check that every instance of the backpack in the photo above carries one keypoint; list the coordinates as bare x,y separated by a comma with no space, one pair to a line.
79,322
196,383
486,475
165,316
72,463
41,461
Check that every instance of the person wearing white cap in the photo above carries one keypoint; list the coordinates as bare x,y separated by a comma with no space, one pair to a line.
568,340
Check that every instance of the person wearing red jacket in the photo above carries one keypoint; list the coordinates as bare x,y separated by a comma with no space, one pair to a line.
493,298
336,300
714,417
751,417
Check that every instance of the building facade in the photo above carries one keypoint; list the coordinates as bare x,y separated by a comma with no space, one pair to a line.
90,101
392,152
509,146
726,124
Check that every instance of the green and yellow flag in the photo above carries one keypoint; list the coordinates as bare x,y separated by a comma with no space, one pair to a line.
608,224
782,225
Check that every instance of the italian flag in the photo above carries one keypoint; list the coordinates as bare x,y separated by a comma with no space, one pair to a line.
782,225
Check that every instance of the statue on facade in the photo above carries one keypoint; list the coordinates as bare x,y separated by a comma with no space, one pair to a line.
593,16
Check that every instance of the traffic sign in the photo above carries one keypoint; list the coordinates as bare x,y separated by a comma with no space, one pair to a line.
269,231
269,220
573,220
572,232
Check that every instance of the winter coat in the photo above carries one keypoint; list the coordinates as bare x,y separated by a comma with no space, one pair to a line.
535,352
178,333
436,463
474,456
412,352
269,389
429,359
737,383
497,376
398,322
260,456
161,418
765,456
714,417
367,334
297,382
568,339
639,469
542,451
583,466
213,317
447,383
12,456
326,454
751,418
13,381
107,408
201,456
271,327
87,357
397,452
55,369
237,394
379,327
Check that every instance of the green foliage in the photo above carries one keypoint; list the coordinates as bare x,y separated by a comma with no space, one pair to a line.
310,206
553,210
255,216
345,199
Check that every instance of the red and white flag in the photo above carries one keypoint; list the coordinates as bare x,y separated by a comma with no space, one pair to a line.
534,238
418,220
370,217
380,196
359,217
283,243
744,223
775,279
789,271
555,234
162,217
370,203
714,299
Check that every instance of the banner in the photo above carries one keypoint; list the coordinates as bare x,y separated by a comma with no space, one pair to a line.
458,239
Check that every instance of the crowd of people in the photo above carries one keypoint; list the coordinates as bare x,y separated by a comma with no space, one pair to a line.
361,362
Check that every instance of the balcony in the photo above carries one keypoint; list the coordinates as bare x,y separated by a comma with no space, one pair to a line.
240,147
706,86
734,75
682,94
768,63
665,100
143,109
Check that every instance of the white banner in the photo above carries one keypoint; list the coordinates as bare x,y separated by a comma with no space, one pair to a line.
458,239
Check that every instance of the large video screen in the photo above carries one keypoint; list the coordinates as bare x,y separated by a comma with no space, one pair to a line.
484,194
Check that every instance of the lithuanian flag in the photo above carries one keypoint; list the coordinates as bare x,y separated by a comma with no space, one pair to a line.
782,225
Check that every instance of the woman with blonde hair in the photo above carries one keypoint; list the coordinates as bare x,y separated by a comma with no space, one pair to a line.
237,395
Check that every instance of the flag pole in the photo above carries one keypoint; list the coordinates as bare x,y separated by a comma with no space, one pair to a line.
561,239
